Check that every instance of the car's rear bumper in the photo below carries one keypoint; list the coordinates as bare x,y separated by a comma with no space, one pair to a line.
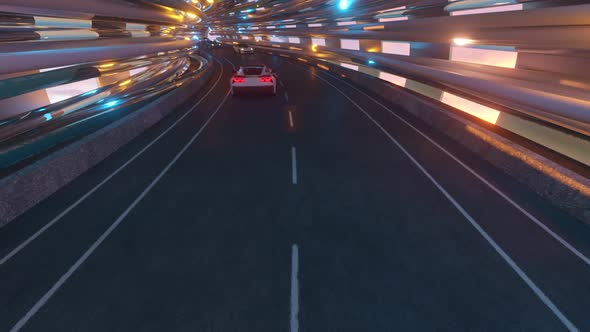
253,89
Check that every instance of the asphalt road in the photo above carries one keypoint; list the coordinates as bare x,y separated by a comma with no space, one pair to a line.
314,210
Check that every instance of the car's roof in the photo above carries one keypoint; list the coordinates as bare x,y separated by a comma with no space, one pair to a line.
262,69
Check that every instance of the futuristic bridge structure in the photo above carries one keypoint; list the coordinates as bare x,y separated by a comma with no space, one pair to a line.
425,165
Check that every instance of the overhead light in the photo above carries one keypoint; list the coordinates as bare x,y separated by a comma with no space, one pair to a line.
191,15
344,4
314,47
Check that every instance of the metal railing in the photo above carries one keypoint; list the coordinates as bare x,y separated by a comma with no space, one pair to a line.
30,132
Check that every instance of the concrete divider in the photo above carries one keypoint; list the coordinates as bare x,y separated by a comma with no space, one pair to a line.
30,185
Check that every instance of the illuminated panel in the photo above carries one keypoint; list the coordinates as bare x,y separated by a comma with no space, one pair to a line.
245,37
506,59
349,66
63,92
67,35
393,19
135,26
399,48
495,9
54,22
350,44
392,9
290,26
294,40
277,39
397,80
346,23
483,112
137,71
318,41
314,25
257,38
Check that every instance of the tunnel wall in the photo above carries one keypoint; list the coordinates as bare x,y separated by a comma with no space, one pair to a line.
23,189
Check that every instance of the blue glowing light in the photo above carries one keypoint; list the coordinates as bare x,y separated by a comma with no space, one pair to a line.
91,92
47,116
112,103
195,37
371,62
344,4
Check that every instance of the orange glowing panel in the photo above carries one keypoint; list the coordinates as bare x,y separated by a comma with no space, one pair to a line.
506,59
478,110
374,27
126,82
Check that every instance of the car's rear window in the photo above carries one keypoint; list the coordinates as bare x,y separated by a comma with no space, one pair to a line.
242,45
252,70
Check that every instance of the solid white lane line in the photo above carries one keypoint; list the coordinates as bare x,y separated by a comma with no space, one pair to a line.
294,288
293,165
47,296
536,290
57,218
291,120
544,227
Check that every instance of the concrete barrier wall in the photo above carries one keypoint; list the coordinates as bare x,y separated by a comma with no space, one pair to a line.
25,188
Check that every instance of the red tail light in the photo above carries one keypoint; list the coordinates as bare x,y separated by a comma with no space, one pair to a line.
238,79
265,79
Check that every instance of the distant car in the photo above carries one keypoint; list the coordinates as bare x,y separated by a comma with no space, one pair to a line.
211,43
254,78
243,49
